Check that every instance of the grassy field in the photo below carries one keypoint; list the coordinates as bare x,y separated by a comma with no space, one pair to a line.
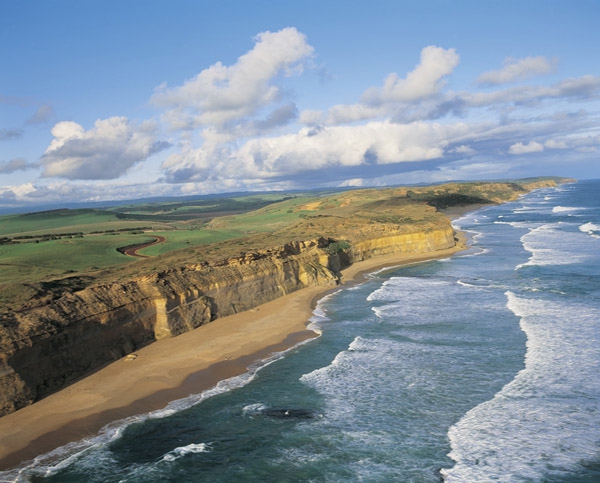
58,243
21,262
178,239
56,221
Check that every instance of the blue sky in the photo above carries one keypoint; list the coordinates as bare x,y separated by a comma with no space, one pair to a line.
105,100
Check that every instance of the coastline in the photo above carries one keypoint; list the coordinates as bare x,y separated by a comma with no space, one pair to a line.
174,368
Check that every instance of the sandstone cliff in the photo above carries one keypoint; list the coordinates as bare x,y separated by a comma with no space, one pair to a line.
73,326
76,332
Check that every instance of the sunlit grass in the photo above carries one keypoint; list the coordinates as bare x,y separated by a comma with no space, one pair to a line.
178,239
25,262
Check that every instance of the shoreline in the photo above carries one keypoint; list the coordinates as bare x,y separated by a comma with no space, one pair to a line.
174,368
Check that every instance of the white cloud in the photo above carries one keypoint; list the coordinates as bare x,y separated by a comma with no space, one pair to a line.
106,151
555,144
520,148
63,191
311,117
464,150
518,69
396,95
390,125
234,129
582,87
425,80
19,191
221,94
356,182
586,87
582,143
344,113
375,143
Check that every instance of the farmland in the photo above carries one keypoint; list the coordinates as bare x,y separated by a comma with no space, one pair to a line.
56,243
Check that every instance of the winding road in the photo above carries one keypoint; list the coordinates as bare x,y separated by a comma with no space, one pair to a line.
132,251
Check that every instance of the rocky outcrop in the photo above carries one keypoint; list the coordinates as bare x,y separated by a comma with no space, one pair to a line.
72,333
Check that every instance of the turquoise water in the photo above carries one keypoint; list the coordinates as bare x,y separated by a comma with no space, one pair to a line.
482,367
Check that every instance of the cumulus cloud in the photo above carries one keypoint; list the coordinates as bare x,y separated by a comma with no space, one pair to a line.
581,143
520,148
517,70
348,113
375,143
390,125
222,94
105,151
398,96
424,81
7,196
235,129
44,192
311,117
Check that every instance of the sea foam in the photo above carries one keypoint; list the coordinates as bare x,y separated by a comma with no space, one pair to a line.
562,251
544,421
590,229
566,209
182,451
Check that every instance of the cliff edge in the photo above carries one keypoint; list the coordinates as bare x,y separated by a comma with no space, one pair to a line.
73,326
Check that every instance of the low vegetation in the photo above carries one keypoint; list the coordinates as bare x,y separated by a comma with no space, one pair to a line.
82,245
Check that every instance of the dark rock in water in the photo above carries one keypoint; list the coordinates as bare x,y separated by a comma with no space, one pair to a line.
288,413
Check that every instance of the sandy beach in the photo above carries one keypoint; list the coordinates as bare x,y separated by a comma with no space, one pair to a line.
174,368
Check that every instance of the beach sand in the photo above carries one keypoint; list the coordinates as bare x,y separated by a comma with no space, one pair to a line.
174,368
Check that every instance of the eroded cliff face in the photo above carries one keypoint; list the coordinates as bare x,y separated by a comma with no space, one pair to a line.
391,243
72,333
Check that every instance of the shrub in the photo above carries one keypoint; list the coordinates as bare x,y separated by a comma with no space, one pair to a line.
337,247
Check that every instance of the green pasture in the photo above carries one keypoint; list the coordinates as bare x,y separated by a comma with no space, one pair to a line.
177,239
25,262
178,210
37,259
223,229
268,219
64,221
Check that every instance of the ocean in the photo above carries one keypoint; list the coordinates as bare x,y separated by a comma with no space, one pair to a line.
483,367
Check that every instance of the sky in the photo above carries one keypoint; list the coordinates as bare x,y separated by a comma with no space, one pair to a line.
129,99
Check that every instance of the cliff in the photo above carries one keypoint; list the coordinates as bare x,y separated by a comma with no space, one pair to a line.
68,334
73,326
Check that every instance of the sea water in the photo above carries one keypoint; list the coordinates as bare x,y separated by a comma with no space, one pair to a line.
483,367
